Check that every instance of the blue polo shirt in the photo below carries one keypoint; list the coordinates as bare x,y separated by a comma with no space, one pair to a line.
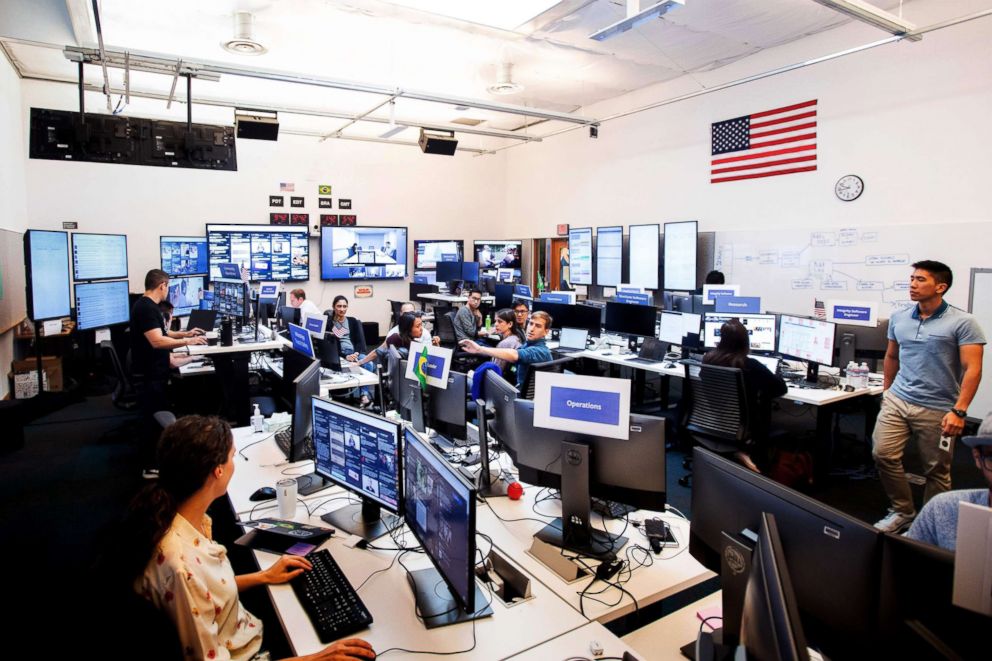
929,354
531,352
937,522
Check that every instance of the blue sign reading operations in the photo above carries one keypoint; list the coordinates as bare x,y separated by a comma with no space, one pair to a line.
585,405
554,297
852,313
741,304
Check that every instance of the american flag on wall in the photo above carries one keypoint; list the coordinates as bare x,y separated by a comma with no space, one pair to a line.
764,144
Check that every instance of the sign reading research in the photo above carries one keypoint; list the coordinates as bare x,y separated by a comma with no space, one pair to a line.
585,404
435,366
739,304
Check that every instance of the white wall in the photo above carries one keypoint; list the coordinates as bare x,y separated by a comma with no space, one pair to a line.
457,197
13,155
910,118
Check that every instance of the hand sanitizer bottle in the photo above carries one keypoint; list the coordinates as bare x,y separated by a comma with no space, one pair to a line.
257,420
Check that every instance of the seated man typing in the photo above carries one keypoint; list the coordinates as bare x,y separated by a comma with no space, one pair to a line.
534,350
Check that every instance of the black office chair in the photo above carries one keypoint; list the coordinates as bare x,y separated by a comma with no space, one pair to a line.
124,397
394,307
557,365
444,327
717,413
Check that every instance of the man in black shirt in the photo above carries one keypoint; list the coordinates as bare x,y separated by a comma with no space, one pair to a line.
151,344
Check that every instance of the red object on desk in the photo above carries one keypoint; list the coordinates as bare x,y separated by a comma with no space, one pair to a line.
514,491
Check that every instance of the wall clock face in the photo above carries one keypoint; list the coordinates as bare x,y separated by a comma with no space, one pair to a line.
849,187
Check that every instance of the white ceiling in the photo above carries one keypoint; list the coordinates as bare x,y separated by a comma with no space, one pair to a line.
388,45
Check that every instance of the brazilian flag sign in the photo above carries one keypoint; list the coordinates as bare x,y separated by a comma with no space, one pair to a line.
419,368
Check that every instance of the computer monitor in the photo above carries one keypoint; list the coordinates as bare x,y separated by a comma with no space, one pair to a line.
760,329
411,400
681,302
500,396
470,272
46,261
807,339
230,298
439,509
362,453
428,253
770,624
288,315
564,315
504,296
269,252
185,293
101,304
487,283
304,388
627,319
833,558
393,376
861,343
202,319
449,271
184,255
447,414
327,348
671,330
630,471
99,256
498,254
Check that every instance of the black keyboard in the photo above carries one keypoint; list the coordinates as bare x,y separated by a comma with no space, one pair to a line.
284,439
333,606
611,509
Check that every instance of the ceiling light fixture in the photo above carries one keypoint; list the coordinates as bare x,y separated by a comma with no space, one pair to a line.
244,42
872,15
504,84
637,13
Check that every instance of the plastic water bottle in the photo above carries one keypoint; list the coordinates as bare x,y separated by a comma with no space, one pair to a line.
489,322
257,420
851,372
863,372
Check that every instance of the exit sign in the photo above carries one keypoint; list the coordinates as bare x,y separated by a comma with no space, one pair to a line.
563,229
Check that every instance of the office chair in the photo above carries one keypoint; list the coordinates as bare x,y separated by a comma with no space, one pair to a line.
124,397
394,307
444,326
557,365
370,329
717,413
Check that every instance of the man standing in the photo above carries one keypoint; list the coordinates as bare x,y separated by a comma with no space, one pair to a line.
151,344
933,366
534,350
468,319
298,299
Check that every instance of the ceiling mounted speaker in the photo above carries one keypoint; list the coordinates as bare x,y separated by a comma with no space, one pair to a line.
244,42
256,127
434,142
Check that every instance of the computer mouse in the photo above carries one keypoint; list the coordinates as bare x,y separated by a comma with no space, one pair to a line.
265,493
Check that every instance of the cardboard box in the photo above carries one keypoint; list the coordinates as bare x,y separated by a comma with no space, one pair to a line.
25,375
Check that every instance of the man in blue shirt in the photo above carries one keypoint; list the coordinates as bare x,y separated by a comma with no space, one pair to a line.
937,523
534,350
933,365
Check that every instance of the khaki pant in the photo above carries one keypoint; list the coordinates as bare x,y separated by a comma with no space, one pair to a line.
898,421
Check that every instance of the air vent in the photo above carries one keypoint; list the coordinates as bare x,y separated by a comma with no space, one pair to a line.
244,42
504,84
467,121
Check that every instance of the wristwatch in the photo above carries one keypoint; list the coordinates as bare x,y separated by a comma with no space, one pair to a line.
961,413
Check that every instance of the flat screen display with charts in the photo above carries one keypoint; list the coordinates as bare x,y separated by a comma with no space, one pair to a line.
358,450
46,259
498,254
184,255
760,329
101,304
609,256
362,253
99,256
807,339
268,252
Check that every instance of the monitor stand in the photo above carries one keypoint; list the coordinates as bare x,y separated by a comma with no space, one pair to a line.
365,520
573,530
485,485
812,372
435,604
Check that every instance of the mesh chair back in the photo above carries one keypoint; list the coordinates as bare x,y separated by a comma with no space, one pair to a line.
717,412
445,326
124,395
557,366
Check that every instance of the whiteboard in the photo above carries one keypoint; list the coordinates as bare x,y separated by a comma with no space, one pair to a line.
981,306
791,268
13,308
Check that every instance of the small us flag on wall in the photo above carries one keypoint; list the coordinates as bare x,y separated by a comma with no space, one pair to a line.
765,144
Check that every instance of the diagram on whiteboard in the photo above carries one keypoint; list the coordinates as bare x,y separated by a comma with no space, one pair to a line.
790,269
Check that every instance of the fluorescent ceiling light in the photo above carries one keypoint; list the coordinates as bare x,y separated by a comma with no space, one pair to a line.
872,15
637,15
502,14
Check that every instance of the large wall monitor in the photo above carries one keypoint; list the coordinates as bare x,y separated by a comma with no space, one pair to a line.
609,256
580,255
185,294
99,256
362,253
427,253
46,263
184,255
498,254
644,241
101,304
269,252
680,255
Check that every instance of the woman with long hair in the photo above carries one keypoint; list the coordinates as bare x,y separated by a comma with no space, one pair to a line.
172,560
760,385
352,340
512,337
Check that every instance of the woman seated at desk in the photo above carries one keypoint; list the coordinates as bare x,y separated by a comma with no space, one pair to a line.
351,337
511,337
177,566
760,385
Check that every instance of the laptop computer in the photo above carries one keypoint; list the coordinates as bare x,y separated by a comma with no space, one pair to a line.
652,351
572,340
771,362
202,319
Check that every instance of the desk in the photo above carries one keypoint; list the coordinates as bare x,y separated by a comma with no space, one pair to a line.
575,644
447,298
350,376
662,639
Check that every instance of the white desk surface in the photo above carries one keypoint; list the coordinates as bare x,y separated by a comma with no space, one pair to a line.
661,640
671,572
575,644
350,376
390,601
447,298
239,347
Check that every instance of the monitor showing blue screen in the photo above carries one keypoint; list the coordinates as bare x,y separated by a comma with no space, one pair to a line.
185,294
269,252
470,271
46,256
184,255
358,450
300,337
362,253
99,256
448,271
101,304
